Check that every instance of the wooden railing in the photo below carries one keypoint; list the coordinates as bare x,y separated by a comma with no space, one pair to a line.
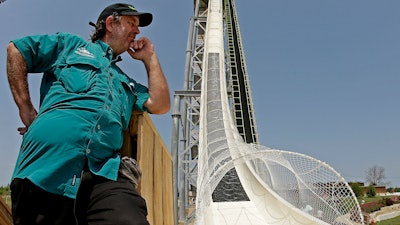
5,213
143,142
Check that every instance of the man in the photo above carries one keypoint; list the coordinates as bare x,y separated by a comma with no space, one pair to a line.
70,147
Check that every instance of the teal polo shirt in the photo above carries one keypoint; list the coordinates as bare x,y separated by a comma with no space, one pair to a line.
86,102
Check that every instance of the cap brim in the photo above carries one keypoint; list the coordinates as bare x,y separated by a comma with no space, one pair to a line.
145,19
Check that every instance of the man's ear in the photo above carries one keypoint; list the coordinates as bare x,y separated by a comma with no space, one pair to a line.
109,23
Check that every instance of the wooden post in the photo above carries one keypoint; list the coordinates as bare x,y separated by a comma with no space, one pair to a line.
143,142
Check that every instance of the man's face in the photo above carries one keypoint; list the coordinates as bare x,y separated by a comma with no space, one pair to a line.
124,33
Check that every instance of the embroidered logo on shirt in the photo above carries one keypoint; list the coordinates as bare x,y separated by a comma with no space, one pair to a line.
132,87
83,52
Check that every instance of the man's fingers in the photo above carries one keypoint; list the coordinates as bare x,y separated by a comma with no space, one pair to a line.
22,130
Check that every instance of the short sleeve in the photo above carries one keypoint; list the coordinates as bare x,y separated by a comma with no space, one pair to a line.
39,51
142,95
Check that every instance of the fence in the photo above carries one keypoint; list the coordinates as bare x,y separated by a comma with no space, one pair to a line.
143,142
5,213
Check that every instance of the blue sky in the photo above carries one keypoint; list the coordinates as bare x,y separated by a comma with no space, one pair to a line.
324,74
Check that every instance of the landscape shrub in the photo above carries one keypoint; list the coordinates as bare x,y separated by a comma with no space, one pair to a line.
378,204
372,206
388,201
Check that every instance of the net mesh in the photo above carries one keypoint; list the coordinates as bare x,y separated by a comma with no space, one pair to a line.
306,185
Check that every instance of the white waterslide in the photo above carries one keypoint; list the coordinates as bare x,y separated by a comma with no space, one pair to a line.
283,187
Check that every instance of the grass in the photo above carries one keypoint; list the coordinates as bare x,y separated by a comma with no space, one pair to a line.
392,221
372,199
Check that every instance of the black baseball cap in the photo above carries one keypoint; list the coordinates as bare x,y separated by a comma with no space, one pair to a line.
123,9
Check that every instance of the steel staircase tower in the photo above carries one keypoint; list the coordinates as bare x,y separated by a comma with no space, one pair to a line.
185,115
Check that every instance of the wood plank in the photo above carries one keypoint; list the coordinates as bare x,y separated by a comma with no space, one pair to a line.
168,189
145,158
127,149
5,213
156,163
158,182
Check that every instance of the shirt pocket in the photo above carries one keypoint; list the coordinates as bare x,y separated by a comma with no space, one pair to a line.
79,73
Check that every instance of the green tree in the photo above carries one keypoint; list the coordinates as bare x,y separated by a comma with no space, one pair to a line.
356,189
371,192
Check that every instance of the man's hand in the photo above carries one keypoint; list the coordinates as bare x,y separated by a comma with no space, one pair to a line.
142,49
22,130
159,100
27,117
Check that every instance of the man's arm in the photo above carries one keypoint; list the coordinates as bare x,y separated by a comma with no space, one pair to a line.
159,100
17,74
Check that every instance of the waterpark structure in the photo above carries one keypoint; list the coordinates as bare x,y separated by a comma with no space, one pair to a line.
222,174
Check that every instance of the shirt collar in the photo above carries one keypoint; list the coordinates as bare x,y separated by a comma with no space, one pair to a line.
107,50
